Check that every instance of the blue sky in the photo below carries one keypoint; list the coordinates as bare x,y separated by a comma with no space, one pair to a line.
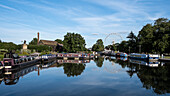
93,19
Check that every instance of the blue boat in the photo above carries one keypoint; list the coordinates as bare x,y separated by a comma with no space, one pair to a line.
144,56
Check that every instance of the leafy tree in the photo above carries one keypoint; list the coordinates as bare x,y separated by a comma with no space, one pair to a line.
98,46
9,46
40,48
73,42
132,42
34,41
123,46
111,47
59,41
146,38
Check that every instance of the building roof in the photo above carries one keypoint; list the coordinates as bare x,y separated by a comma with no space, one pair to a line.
48,42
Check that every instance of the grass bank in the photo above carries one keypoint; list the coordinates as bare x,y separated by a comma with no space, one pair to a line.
1,57
167,57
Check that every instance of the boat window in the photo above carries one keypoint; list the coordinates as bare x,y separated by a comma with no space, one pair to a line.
15,56
6,56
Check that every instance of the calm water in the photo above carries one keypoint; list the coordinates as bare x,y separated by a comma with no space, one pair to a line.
100,77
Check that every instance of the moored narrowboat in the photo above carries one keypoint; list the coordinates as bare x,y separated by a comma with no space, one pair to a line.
121,54
144,56
48,57
13,61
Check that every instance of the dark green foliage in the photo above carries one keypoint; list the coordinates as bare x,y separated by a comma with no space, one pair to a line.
40,48
98,46
9,46
132,43
111,47
34,41
151,39
59,41
123,46
99,61
73,42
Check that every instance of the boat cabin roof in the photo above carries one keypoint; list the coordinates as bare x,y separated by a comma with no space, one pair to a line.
11,55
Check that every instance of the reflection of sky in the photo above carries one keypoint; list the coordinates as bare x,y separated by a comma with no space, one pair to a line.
93,81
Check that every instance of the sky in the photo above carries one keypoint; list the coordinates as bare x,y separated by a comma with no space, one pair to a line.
94,19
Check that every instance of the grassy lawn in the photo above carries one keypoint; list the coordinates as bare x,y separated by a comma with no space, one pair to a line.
1,57
167,57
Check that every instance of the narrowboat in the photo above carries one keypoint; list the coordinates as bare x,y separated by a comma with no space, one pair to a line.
144,56
48,57
121,54
13,62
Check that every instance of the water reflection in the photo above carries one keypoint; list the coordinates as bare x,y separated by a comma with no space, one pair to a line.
99,61
71,69
12,77
152,75
155,77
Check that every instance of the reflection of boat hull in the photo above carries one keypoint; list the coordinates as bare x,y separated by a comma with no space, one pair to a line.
74,56
49,59
47,65
143,62
73,61
12,77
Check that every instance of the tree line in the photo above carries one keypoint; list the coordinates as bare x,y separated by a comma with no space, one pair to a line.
152,38
73,42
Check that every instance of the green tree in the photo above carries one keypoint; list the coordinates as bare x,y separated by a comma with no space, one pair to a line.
98,46
40,48
132,43
146,38
73,42
123,46
59,41
9,46
111,47
34,41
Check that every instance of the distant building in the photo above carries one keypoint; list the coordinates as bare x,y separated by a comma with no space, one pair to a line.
53,44
24,46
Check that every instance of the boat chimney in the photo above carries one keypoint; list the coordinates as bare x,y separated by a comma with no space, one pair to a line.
38,38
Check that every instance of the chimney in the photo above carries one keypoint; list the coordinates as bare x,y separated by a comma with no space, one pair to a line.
38,38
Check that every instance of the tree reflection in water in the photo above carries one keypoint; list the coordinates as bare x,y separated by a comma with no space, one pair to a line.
153,78
99,61
71,69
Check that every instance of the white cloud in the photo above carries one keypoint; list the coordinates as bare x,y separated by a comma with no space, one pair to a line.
7,7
